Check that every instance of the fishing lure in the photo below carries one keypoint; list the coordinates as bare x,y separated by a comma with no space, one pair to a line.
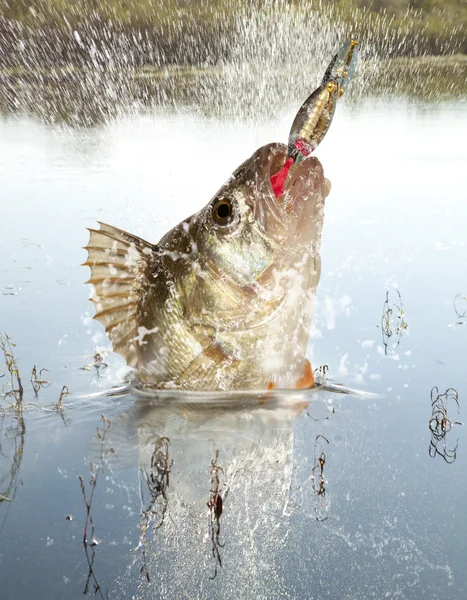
315,116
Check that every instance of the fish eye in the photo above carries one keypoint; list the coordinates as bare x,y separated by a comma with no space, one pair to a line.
222,212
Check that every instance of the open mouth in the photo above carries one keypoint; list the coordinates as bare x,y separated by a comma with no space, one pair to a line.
295,184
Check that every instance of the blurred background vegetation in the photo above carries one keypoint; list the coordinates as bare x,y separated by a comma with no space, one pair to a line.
199,32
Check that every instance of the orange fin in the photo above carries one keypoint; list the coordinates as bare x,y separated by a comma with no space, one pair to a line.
268,394
307,380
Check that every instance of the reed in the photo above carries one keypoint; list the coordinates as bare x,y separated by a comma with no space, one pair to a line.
14,386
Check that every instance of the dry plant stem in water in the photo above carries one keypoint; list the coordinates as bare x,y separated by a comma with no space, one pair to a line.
393,323
217,495
14,393
16,390
10,476
318,480
89,540
36,380
157,482
460,307
440,424
63,394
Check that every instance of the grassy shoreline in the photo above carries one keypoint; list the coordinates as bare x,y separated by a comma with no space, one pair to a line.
454,62
54,33
82,96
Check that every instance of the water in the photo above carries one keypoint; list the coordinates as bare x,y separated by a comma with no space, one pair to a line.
392,520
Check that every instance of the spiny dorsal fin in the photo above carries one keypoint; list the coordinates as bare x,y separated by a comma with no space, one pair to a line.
119,263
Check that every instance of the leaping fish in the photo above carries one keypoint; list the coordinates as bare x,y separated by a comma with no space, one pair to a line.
224,301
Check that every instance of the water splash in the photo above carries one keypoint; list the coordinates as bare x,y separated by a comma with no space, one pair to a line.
247,61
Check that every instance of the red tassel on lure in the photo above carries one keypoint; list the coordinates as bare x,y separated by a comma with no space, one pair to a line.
279,178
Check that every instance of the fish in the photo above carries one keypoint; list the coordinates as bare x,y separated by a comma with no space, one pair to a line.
224,301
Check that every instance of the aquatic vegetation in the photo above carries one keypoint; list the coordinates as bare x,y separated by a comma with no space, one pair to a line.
36,380
311,491
318,480
12,424
13,388
97,363
14,383
12,440
217,496
63,394
393,323
156,481
60,406
440,424
89,540
460,308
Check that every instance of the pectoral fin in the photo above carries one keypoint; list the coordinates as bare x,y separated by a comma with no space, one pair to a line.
119,264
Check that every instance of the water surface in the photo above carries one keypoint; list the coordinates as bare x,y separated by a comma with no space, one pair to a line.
392,520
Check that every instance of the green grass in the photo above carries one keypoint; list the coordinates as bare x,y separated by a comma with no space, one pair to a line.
206,31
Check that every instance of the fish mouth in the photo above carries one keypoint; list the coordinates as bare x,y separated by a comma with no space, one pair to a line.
305,183
305,180
291,215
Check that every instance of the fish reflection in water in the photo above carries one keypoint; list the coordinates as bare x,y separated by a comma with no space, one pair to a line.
216,475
